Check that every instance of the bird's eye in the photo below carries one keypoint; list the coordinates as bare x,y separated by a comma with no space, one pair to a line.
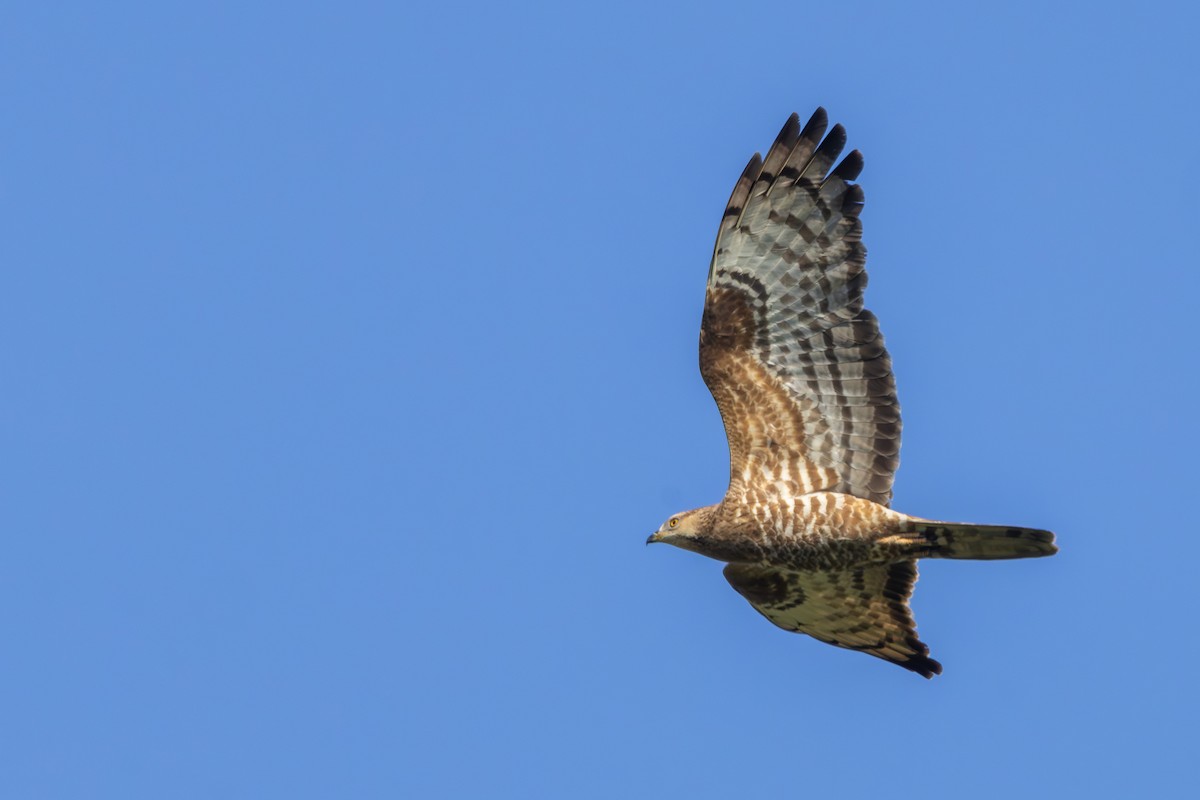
674,521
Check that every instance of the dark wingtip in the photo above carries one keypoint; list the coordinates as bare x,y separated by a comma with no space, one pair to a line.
836,139
924,666
814,129
851,166
754,164
786,139
852,201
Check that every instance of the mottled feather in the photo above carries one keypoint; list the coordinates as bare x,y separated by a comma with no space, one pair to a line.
864,609
785,331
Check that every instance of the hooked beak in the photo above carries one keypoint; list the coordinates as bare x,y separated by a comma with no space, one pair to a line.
653,538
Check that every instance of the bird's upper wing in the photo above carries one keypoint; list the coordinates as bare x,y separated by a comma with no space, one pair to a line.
864,609
796,364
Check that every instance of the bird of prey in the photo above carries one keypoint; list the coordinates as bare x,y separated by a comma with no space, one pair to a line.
805,388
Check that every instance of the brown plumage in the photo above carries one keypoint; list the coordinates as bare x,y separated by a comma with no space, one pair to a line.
805,388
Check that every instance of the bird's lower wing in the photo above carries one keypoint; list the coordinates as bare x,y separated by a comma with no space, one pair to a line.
865,608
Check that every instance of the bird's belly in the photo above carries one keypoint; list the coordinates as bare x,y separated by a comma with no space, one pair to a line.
827,530
818,551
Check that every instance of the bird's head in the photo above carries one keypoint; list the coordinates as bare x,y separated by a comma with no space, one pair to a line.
684,529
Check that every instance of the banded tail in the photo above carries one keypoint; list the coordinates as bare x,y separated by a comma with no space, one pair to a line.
985,542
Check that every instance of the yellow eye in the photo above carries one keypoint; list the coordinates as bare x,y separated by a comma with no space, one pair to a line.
674,521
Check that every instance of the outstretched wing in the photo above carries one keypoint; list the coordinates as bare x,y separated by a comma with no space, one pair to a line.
863,609
796,364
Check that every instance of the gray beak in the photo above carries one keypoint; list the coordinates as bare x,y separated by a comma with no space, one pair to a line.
653,538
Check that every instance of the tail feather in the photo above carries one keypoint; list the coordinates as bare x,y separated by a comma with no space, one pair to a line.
985,542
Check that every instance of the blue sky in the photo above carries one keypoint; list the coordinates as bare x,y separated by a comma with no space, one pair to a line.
349,358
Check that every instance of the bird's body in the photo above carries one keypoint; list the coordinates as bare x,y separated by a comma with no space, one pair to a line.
804,384
822,530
